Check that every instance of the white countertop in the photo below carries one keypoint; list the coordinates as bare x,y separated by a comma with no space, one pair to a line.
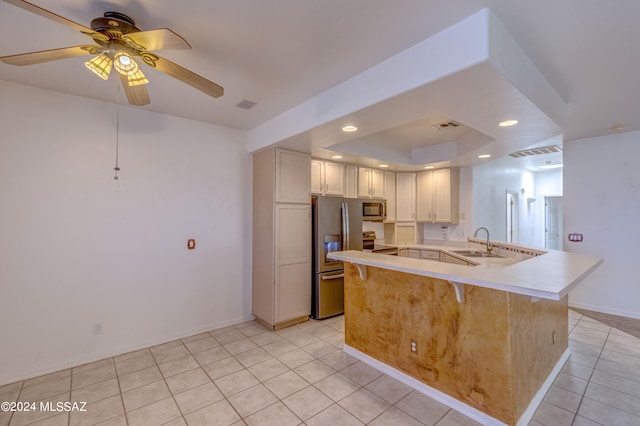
548,276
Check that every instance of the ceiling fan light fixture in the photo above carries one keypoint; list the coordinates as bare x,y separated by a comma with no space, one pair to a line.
126,66
101,65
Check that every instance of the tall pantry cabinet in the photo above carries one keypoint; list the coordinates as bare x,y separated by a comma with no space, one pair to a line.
281,237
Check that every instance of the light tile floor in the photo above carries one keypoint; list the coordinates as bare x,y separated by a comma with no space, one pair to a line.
245,374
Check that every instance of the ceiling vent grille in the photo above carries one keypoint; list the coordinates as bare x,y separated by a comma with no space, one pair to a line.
445,125
537,151
245,104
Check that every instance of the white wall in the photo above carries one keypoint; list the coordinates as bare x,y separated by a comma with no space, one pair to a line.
602,201
491,181
78,248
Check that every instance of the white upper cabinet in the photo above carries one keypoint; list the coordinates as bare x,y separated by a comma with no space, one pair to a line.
327,178
424,197
333,178
446,190
351,182
405,197
390,195
364,176
293,177
370,183
317,175
438,196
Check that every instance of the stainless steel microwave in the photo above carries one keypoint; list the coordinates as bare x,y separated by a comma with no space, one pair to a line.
374,210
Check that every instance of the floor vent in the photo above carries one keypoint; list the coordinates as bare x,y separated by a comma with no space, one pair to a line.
537,151
445,125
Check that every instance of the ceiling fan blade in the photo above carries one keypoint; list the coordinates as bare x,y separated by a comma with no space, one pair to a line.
136,95
50,55
159,39
186,76
57,18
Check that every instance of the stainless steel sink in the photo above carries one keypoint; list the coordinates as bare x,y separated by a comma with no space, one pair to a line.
475,253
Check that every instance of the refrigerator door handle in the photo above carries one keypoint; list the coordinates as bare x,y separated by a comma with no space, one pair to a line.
346,226
332,277
343,230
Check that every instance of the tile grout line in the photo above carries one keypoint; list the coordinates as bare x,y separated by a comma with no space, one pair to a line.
575,415
124,409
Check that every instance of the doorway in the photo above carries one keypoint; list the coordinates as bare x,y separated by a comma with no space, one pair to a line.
553,222
512,216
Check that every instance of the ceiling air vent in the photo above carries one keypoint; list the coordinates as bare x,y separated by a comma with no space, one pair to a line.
245,104
445,125
537,151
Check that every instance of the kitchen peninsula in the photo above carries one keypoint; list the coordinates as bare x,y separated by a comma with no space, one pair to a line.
487,340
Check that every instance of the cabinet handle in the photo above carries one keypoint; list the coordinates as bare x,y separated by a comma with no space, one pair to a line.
332,277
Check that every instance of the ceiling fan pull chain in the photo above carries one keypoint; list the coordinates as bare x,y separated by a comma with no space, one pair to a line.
117,168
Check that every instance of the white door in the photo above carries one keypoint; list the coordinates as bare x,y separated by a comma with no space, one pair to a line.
553,223
512,217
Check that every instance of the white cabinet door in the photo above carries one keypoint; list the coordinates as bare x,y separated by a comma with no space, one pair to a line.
406,233
405,197
293,262
364,182
390,195
377,183
293,177
351,182
333,178
445,195
430,255
424,197
317,176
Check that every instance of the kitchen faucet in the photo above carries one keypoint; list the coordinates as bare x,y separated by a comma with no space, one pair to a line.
489,246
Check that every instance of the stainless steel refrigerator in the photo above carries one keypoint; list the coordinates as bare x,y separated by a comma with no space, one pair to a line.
337,226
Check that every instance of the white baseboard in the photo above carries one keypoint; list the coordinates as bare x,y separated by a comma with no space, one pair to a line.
604,310
452,402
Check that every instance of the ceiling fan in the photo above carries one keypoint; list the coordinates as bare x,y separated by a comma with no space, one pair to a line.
118,43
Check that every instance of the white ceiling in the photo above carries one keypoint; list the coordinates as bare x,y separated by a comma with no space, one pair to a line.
280,54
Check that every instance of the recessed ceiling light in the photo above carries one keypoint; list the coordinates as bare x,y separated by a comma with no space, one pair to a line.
508,123
336,157
551,166
429,167
484,156
349,128
384,166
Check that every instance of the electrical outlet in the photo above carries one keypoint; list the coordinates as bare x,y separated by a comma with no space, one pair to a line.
97,328
414,347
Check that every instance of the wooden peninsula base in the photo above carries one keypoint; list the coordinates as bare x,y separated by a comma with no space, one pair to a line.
493,352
